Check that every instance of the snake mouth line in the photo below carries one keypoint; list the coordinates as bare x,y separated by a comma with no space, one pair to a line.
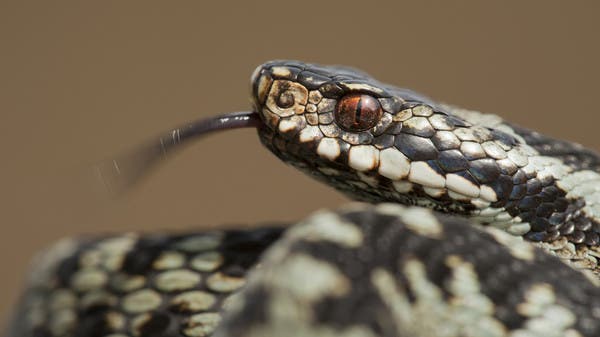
118,174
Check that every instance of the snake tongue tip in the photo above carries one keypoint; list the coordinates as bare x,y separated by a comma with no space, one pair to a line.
119,174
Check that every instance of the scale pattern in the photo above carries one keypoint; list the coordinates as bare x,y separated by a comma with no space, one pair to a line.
138,285
389,270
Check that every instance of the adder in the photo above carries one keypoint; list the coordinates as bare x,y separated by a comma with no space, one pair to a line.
465,225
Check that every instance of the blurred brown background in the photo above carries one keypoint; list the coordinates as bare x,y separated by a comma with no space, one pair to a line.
82,81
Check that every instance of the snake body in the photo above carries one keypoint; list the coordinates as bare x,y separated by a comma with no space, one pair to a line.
472,227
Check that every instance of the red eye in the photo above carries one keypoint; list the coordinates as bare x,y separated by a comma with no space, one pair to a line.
357,112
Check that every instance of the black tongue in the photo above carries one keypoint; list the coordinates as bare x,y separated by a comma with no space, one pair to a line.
122,172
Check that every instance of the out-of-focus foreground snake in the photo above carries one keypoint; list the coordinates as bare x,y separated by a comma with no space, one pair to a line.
471,226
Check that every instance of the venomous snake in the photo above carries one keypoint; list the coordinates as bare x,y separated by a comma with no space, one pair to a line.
465,225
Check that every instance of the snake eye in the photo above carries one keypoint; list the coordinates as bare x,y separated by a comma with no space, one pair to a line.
357,112
285,100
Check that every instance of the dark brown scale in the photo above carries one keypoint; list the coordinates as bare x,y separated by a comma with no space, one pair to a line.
529,203
503,187
518,192
311,80
357,112
557,219
416,148
591,239
583,224
504,138
394,129
520,177
93,322
384,141
561,204
536,236
280,144
545,210
567,228
552,235
534,186
484,170
577,237
435,166
539,224
331,90
511,208
527,215
66,269
553,228
343,157
140,259
452,161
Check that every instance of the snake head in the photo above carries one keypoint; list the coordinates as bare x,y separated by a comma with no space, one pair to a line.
368,139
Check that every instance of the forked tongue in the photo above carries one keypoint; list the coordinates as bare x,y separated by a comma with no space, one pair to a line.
122,172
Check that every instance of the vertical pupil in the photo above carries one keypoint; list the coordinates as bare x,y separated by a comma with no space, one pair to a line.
357,112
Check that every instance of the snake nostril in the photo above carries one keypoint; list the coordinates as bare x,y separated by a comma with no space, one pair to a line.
285,100
357,112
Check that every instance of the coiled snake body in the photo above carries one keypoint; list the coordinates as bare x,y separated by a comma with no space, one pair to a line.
427,255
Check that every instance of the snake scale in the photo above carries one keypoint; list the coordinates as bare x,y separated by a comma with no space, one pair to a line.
464,225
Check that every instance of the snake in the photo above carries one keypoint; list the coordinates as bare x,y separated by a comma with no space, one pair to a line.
462,224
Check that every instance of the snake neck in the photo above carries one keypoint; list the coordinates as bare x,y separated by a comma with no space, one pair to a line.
517,180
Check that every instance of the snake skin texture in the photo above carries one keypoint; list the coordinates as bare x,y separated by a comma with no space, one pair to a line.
479,228
131,285
388,270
